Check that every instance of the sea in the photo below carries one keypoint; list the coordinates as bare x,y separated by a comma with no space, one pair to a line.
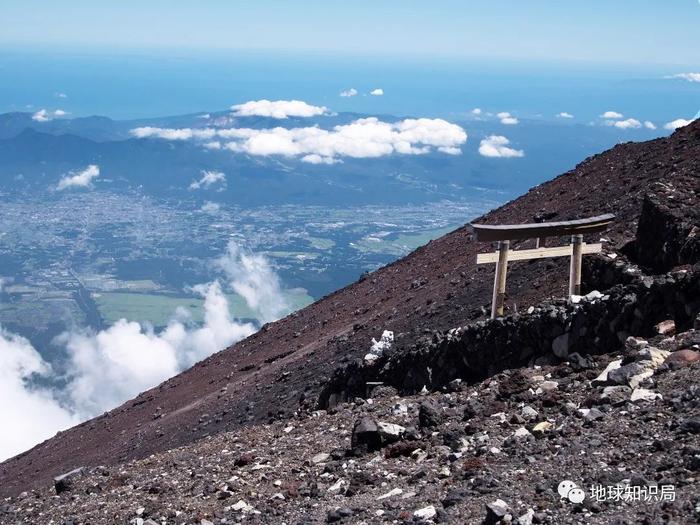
130,84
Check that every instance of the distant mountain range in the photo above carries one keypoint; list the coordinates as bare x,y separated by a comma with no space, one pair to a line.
35,155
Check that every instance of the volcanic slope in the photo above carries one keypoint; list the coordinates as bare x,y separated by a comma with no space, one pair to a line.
284,366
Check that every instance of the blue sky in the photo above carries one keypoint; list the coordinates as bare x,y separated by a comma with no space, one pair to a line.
619,31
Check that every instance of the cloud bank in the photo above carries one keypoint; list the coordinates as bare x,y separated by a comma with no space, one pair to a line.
363,138
108,367
279,109
79,179
30,415
497,146
209,178
690,77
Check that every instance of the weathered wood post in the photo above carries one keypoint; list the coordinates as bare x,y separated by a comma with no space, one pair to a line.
575,267
499,281
504,233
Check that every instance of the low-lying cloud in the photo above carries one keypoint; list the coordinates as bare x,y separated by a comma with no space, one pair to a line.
209,178
108,367
678,123
79,179
348,93
363,138
279,109
30,415
44,115
690,77
496,146
507,119
564,114
630,123
377,92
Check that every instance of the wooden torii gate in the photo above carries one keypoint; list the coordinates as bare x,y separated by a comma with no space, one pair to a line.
505,233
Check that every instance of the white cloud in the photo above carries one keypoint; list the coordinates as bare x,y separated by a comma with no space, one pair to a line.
44,115
79,179
690,77
564,114
280,109
29,414
611,114
252,277
649,124
209,178
362,138
60,95
174,134
507,118
497,146
315,158
348,93
108,367
678,123
210,207
377,92
41,116
111,366
630,123
476,111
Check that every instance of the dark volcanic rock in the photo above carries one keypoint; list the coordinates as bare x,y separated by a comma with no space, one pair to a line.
65,482
429,414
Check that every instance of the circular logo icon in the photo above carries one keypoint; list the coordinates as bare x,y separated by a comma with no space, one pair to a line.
571,491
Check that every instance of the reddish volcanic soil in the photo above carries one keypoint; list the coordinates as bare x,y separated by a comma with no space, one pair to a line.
436,287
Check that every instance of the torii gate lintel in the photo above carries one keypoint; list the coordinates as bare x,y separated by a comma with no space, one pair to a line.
504,233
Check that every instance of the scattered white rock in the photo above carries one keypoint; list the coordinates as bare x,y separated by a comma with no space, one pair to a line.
336,486
547,386
526,519
390,430
321,457
529,413
592,296
241,506
393,492
426,513
521,433
603,376
378,348
642,394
